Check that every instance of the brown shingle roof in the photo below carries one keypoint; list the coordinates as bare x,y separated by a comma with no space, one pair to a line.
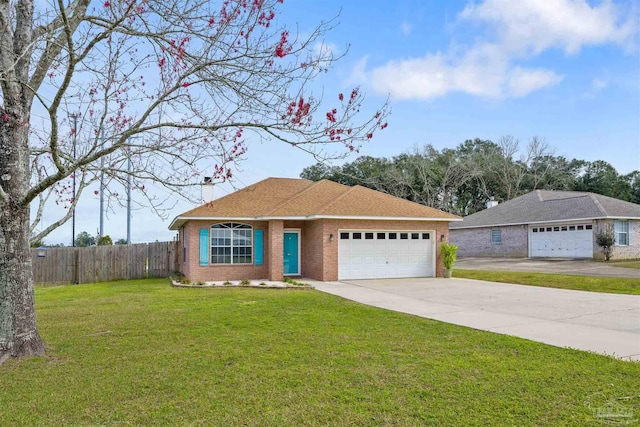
304,199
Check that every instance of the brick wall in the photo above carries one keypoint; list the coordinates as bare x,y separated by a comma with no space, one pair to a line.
274,256
312,249
331,226
619,252
476,242
192,269
319,253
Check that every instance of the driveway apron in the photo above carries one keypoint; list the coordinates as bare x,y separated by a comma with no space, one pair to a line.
603,323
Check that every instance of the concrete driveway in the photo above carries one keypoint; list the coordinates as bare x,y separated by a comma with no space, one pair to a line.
603,323
578,267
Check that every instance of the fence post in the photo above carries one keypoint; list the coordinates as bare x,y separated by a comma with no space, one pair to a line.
76,280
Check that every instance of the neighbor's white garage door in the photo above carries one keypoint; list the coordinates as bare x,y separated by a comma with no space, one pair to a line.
385,254
561,241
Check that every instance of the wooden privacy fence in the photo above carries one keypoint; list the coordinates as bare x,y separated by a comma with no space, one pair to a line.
105,263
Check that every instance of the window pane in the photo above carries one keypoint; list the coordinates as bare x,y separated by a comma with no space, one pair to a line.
393,236
404,236
535,230
621,226
381,236
368,236
588,227
344,236
496,236
564,228
580,227
621,231
426,236
415,236
357,236
572,228
231,243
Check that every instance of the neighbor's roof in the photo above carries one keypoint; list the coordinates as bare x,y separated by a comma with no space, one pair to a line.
286,198
550,206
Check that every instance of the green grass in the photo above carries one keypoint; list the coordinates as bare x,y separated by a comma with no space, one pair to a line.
144,353
631,264
614,285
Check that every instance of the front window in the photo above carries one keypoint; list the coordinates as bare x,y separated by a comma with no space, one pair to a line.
496,236
231,243
621,230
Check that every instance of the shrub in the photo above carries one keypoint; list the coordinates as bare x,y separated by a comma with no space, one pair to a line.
245,282
105,241
227,283
605,239
176,276
448,253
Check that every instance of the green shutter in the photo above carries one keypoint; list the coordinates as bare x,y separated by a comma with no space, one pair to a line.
204,246
258,242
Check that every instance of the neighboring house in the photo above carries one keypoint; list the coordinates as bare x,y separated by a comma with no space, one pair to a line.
321,230
545,223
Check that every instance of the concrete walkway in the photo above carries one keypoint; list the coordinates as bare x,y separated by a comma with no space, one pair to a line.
602,323
577,267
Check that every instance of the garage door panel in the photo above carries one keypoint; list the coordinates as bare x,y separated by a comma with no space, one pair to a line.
568,241
382,257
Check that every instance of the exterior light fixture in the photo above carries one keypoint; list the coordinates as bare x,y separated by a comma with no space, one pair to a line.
331,237
42,252
442,237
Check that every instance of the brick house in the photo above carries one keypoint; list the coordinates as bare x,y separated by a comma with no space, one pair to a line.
553,224
321,230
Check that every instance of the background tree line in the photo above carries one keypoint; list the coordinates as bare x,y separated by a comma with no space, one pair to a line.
461,180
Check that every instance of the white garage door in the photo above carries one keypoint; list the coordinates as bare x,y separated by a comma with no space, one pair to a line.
561,241
385,254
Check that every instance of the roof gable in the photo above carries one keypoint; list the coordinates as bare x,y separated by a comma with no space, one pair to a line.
254,200
304,199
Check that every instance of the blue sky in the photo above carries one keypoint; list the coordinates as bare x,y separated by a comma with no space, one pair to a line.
566,71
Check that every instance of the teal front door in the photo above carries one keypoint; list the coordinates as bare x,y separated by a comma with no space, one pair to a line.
291,244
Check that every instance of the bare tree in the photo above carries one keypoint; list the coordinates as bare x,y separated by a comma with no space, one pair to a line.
165,92
513,172
538,150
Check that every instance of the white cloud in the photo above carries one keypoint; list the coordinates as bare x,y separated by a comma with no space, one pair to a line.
532,26
599,84
482,71
495,66
521,82
406,28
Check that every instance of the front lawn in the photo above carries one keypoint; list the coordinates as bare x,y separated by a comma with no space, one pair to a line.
144,353
626,264
614,285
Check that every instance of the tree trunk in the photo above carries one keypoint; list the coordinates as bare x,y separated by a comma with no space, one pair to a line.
18,332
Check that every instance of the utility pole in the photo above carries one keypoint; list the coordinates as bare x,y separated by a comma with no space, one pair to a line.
102,189
129,200
73,214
